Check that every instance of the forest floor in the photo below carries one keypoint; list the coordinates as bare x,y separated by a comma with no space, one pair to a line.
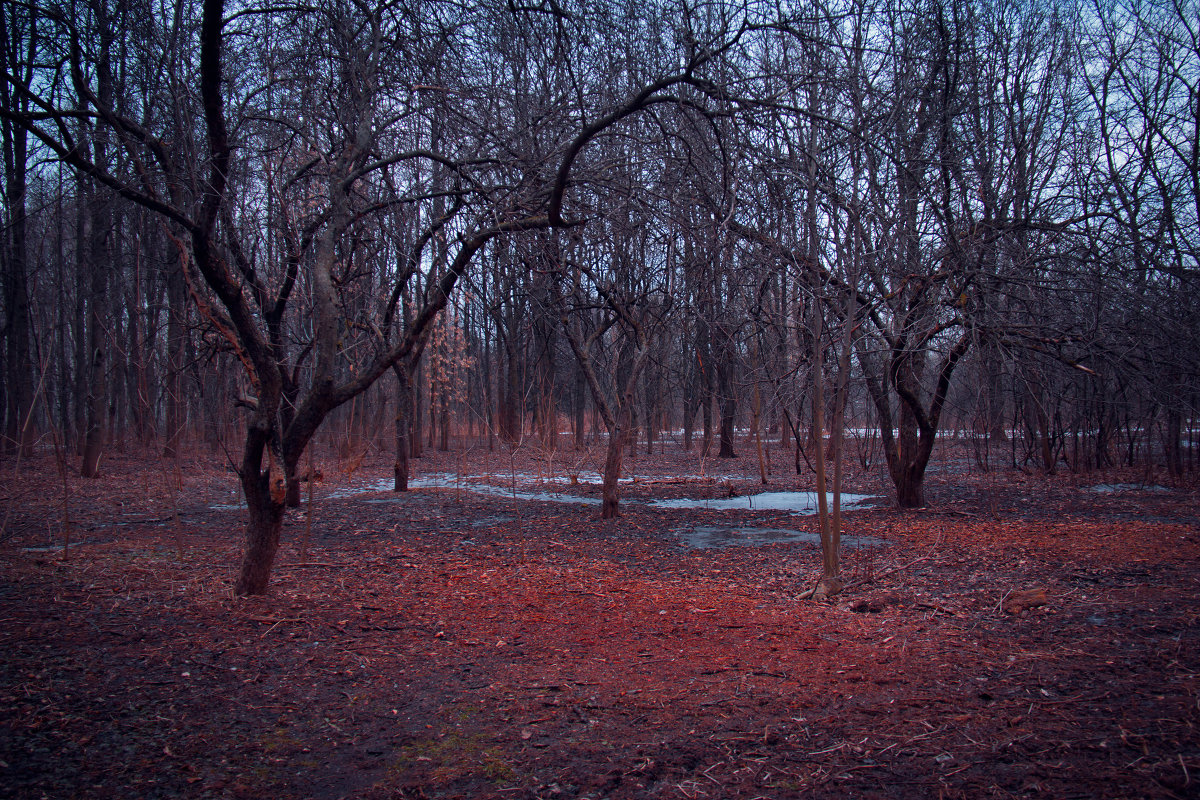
1023,636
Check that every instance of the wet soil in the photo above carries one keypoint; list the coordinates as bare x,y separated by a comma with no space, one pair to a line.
446,644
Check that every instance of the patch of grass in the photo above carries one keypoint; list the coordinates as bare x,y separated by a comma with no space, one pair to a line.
281,740
453,756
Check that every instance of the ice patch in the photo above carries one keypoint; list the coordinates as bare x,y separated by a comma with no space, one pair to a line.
796,502
1109,488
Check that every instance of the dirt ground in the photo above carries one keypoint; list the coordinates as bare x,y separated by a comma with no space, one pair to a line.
1024,636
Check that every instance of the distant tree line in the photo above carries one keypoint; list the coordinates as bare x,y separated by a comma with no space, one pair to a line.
569,222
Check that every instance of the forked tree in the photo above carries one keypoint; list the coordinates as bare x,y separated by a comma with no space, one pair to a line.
312,115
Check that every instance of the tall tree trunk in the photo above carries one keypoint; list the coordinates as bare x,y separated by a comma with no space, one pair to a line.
417,380
580,407
1172,449
728,404
444,421
544,328
689,415
404,403
756,426
650,413
830,584
704,362
614,458
19,384
176,413
1037,422
135,369
99,264
291,458
838,432
489,393
95,410
79,319
511,423
18,47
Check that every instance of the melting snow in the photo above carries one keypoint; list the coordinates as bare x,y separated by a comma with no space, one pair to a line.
796,502
1107,488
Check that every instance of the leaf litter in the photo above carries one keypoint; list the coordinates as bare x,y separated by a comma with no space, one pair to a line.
1021,638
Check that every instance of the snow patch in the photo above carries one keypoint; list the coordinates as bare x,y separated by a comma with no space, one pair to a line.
1110,488
796,502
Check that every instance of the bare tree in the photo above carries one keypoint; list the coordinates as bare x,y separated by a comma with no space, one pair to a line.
18,49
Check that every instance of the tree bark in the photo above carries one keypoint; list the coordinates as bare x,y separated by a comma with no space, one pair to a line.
1172,449
728,405
610,492
404,403
266,492
580,408
19,389
97,319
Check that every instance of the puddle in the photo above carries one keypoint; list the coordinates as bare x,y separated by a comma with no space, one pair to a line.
465,483
796,502
804,503
704,537
1109,488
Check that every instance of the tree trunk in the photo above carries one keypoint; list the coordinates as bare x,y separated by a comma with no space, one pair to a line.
176,403
610,491
727,402
265,495
417,382
1172,449
830,584
650,393
443,421
908,456
19,428
79,379
728,409
910,488
404,398
94,401
291,459
291,472
755,425
689,415
580,407
511,423
98,263
1037,423
797,451
137,386
18,34
544,329
489,391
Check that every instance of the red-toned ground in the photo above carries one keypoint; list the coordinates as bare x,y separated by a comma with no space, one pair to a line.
448,644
